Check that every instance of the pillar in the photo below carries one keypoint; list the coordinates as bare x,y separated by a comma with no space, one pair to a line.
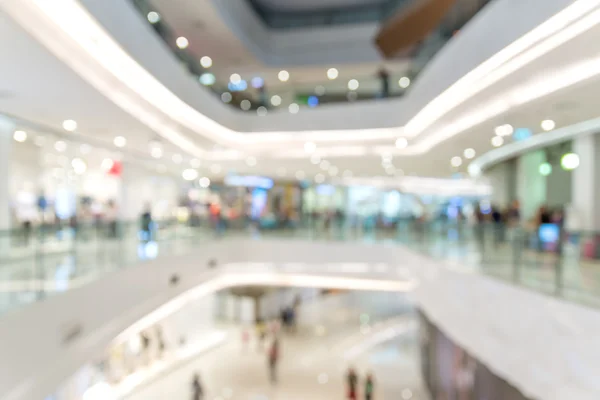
585,187
6,133
531,185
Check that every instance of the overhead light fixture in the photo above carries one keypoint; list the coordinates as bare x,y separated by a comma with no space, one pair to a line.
69,125
206,62
333,170
310,147
120,141
456,161
156,152
189,174
325,165
60,146
332,73
235,79
504,130
107,164
207,79
300,175
353,84
401,143
283,76
315,159
294,108
545,169
79,166
548,125
153,17
404,82
20,136
469,153
569,161
319,178
177,158
261,111
320,90
226,97
204,182
497,141
276,100
182,42
245,104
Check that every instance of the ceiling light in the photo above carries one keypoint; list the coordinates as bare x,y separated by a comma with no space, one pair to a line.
320,90
404,82
261,111
206,62
333,171
325,165
310,147
401,143
204,182
60,146
207,79
406,394
257,82
504,130
85,149
120,141
276,100
387,157
245,105
294,108
569,161
215,168
315,159
545,169
107,164
177,158
189,174
456,161
195,163
332,73
347,174
156,152
20,136
300,175
182,42
69,125
235,79
226,97
283,76
353,84
153,17
79,166
319,178
469,153
497,141
251,161
548,125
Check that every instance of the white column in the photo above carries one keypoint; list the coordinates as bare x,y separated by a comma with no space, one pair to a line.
6,133
531,185
585,188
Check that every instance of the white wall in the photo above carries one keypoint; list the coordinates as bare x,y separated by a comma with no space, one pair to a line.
542,345
585,189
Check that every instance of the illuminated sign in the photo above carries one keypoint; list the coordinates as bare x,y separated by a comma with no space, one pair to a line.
249,181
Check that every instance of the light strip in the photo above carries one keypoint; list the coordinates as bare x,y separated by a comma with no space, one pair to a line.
468,85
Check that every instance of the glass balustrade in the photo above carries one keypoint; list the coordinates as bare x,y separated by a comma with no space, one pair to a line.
47,260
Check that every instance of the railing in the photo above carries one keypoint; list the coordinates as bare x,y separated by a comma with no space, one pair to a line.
46,260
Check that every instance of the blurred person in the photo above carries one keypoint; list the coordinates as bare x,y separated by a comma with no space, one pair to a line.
111,219
369,387
245,338
273,358
352,383
161,341
384,78
197,389
146,224
261,333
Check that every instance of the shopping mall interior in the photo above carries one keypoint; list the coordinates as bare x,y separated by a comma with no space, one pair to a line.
290,200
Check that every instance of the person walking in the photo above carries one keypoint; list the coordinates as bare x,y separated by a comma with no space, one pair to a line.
273,360
352,382
369,387
197,390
